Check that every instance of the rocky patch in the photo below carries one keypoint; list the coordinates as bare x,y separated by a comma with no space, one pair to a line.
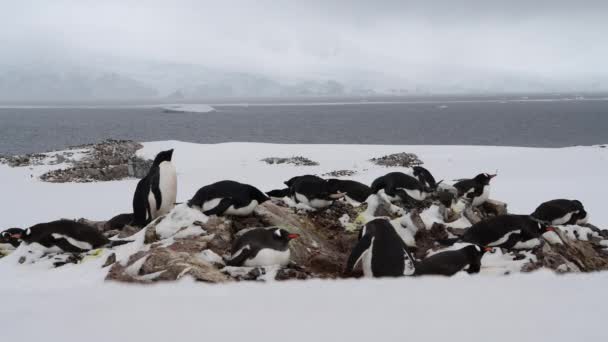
296,161
402,159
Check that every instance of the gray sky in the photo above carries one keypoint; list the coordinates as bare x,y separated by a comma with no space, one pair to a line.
557,39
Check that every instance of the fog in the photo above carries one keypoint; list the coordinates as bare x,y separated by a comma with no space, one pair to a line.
559,44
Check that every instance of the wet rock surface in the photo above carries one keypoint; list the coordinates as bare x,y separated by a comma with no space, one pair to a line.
402,159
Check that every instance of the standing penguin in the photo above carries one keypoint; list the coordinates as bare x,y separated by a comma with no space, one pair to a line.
449,263
382,252
425,177
504,231
155,194
261,247
65,235
398,185
353,191
561,211
227,197
476,190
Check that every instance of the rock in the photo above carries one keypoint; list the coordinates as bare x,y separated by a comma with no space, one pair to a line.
340,173
296,160
110,260
402,159
106,161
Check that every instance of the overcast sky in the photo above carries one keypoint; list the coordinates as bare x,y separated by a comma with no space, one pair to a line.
287,38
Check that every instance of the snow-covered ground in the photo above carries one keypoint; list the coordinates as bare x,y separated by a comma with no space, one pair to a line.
72,303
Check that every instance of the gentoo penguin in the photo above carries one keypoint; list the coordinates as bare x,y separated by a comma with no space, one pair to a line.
261,247
155,193
425,177
353,191
381,251
398,185
561,211
449,263
227,198
504,231
119,221
312,190
65,235
476,190
11,236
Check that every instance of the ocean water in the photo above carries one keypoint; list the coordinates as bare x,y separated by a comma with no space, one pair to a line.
469,121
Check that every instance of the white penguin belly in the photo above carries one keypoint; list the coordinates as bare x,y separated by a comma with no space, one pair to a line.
268,257
367,261
485,194
415,194
504,238
562,220
314,203
244,211
152,204
168,187
210,204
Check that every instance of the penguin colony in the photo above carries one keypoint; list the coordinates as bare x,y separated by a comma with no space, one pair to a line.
379,251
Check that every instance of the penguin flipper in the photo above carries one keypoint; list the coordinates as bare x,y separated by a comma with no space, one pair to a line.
220,208
357,253
240,256
140,202
155,187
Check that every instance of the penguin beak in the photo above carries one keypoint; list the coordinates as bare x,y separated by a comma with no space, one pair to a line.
550,229
494,175
16,236
293,236
488,249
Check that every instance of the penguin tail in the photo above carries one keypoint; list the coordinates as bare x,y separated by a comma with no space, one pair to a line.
114,243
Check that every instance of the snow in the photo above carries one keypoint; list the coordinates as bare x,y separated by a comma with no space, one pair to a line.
516,307
188,108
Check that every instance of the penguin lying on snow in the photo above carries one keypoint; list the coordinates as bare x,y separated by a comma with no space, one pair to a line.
310,190
155,193
381,251
227,198
449,263
476,190
398,185
561,211
353,191
504,231
65,235
262,247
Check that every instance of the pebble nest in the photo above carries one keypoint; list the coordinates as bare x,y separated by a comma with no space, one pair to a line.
296,160
402,159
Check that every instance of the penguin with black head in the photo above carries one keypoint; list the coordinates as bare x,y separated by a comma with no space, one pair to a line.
504,231
228,198
399,186
354,192
62,235
425,177
475,190
261,247
155,194
381,252
561,211
449,263
312,191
